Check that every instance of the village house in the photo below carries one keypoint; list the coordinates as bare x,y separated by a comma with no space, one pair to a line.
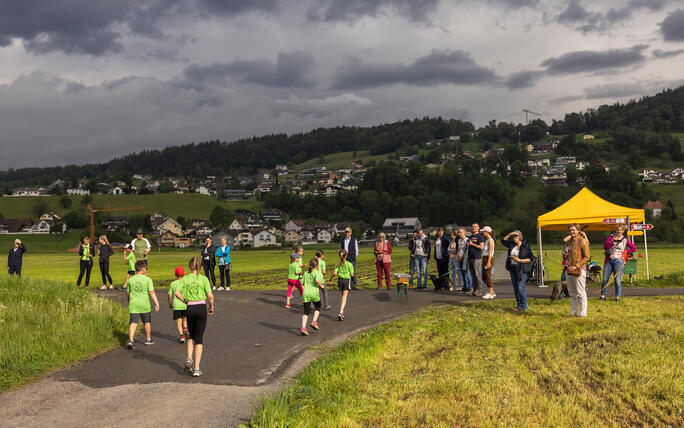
656,208
78,192
294,225
235,194
229,235
237,225
15,225
588,136
115,224
29,192
263,238
244,238
324,236
116,191
400,227
203,231
168,238
292,237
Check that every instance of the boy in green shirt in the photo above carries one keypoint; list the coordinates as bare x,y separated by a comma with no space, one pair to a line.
177,306
313,279
140,289
345,272
129,259
322,269
294,273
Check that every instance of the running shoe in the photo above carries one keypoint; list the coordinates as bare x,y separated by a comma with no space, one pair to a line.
186,333
149,342
130,344
104,287
220,288
196,373
314,325
227,288
111,287
213,288
327,308
187,368
617,299
488,296
303,331
602,298
340,316
379,288
181,339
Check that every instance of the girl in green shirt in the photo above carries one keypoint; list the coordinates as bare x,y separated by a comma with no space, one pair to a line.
345,271
294,274
322,269
313,280
85,252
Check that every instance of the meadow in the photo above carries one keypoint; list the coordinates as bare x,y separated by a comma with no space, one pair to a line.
486,365
46,325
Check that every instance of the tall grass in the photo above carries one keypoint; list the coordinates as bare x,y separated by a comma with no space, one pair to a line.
485,365
48,324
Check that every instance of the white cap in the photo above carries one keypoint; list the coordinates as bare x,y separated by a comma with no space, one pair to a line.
487,229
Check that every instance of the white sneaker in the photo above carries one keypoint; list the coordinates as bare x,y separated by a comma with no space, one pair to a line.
111,287
220,288
213,288
227,288
488,296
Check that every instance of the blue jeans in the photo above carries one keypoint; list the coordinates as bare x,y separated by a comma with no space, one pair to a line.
421,271
519,290
412,268
612,267
454,273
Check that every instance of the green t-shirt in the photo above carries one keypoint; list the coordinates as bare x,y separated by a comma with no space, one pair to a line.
294,270
130,258
139,287
321,265
178,305
139,248
310,293
345,270
195,287
86,252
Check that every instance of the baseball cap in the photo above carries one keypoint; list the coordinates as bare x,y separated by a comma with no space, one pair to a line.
294,256
487,229
180,271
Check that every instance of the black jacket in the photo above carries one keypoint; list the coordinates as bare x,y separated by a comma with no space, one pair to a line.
15,258
426,246
209,252
445,247
524,253
105,252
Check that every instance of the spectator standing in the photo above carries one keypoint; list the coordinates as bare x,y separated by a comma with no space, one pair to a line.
105,250
15,258
85,252
224,264
441,253
462,260
209,260
454,274
421,251
576,271
519,265
616,247
488,261
351,246
475,246
141,247
383,260
412,256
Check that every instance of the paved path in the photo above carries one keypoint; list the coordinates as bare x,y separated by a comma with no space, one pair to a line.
250,341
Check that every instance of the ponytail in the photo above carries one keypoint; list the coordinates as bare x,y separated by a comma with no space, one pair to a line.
195,265
313,264
343,257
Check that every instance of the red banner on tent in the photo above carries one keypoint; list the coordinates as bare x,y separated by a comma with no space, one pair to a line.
640,226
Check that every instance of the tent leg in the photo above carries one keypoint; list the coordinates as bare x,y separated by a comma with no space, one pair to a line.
540,266
648,275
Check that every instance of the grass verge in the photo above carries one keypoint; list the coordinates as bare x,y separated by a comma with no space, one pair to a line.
484,365
48,324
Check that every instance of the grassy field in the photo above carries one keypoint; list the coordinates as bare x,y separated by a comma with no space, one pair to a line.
485,365
675,192
190,205
46,325
339,160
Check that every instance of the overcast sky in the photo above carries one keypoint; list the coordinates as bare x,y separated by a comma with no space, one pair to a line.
89,80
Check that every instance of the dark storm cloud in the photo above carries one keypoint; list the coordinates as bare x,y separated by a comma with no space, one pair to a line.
590,21
658,53
439,67
523,79
290,70
349,10
673,26
595,61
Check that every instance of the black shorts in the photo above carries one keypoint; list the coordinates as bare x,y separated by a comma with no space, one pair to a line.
146,318
197,322
179,314
344,284
310,306
131,272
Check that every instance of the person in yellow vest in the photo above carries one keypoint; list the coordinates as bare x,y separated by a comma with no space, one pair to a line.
85,252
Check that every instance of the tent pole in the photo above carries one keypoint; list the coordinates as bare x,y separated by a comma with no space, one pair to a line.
648,276
540,266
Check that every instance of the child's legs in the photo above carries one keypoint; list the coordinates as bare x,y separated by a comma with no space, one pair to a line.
185,323
343,303
305,317
298,284
179,325
324,295
148,330
190,347
131,330
198,355
290,287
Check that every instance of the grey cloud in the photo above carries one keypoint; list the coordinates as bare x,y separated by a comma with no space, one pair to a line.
523,79
573,13
591,21
595,61
673,26
349,10
566,99
658,53
628,89
320,107
439,67
290,70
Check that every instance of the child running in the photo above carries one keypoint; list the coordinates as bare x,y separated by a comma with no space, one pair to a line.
294,273
313,280
129,258
322,268
345,271
195,292
177,306
140,289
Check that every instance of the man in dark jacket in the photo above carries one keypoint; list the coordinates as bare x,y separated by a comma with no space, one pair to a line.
421,255
351,245
441,253
412,259
15,258
209,261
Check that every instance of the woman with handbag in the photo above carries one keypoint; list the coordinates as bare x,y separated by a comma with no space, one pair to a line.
383,261
519,265
576,271
617,249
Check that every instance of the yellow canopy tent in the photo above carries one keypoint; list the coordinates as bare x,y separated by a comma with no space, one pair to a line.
589,210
